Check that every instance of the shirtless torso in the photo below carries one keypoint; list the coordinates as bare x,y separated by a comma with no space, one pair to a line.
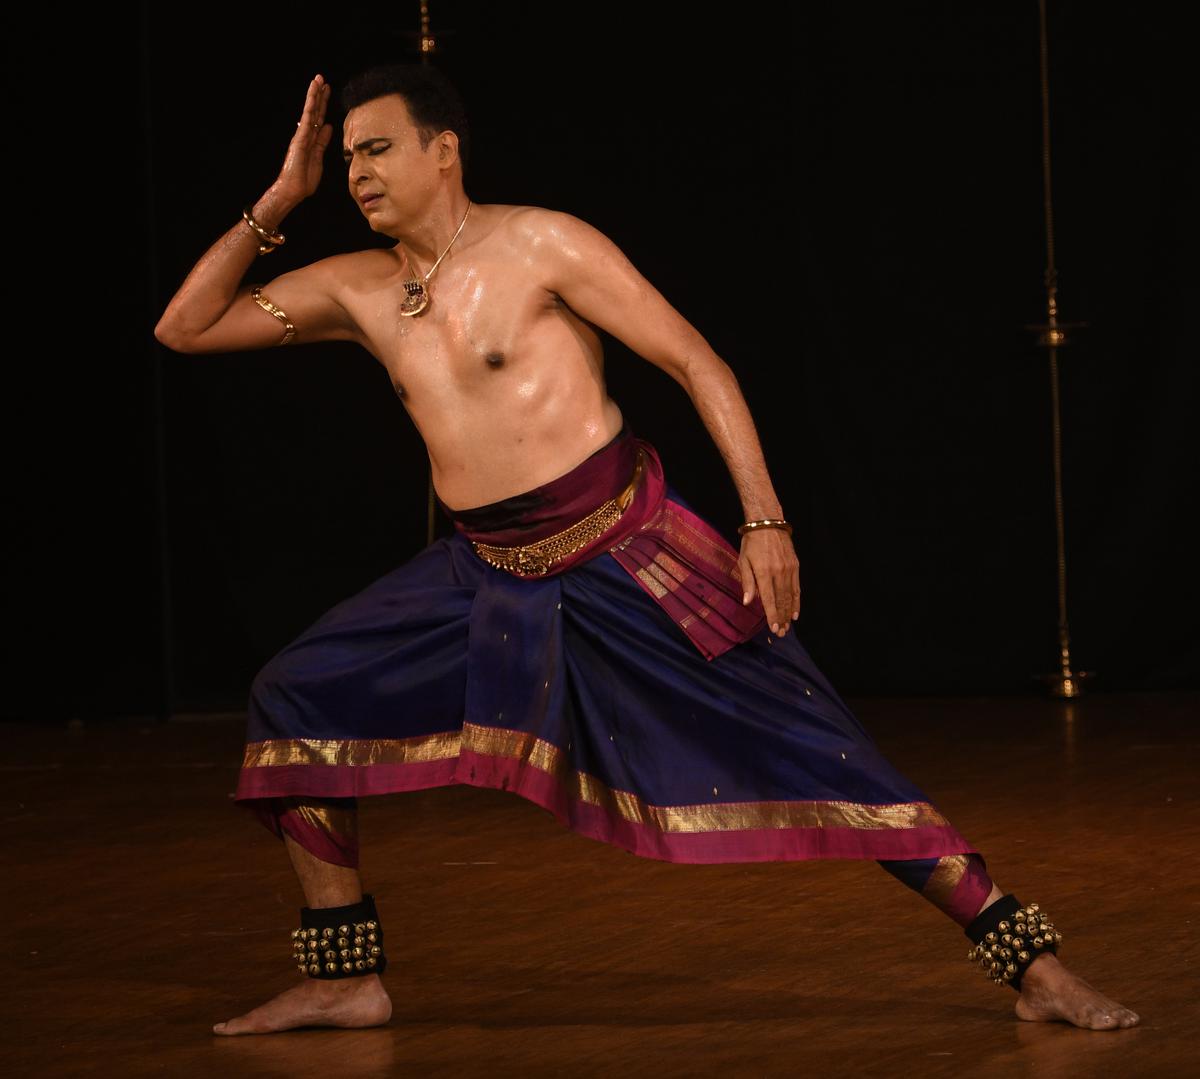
504,382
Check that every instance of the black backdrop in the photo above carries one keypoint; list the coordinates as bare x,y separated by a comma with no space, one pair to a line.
844,199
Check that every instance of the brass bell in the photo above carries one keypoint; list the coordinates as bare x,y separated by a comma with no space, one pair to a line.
314,969
1018,942
1006,939
1023,956
1019,916
359,965
345,953
327,932
372,925
331,954
1038,942
360,940
360,928
312,933
371,964
295,933
376,950
1034,908
372,937
358,953
1004,927
343,942
991,938
347,967
343,930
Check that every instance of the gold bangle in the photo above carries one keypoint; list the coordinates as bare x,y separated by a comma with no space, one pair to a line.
266,305
271,238
766,522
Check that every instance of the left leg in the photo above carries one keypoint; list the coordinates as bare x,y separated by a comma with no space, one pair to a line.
1048,991
321,839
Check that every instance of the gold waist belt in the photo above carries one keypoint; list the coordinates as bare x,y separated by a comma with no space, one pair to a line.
537,558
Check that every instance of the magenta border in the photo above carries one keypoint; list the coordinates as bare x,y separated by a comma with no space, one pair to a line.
595,822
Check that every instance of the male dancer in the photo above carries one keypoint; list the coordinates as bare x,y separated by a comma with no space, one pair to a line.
485,318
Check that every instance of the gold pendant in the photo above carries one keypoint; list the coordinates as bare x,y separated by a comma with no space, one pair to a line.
416,298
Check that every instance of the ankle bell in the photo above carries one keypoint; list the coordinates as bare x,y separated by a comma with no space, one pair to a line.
1008,937
339,942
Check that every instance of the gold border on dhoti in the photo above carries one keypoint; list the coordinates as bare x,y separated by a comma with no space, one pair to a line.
545,757
333,820
944,879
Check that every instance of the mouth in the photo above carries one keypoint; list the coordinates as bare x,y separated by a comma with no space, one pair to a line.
369,200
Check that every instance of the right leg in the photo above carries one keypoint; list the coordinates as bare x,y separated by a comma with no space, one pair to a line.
345,1002
1048,991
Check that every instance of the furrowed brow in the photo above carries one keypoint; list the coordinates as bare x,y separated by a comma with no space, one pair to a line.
363,145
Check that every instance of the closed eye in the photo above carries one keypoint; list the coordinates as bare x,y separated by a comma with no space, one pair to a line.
372,153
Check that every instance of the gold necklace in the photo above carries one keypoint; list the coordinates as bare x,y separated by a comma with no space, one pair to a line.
416,295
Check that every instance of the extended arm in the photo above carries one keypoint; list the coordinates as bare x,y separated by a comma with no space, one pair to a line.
595,279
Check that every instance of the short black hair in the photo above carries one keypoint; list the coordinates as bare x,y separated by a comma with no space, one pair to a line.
433,102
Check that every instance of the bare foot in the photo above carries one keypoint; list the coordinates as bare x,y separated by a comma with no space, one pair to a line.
315,1002
1049,991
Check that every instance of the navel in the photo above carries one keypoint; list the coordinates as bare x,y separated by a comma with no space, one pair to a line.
495,360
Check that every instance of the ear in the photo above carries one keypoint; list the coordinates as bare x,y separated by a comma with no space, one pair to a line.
447,151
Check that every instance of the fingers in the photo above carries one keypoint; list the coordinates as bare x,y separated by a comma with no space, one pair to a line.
771,563
322,103
315,102
747,580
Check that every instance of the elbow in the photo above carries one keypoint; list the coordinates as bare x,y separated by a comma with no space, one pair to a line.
164,336
704,370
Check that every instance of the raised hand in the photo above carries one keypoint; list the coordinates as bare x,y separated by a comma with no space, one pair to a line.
301,172
769,565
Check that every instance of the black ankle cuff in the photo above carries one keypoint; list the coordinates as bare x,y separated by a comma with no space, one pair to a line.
1004,907
340,942
1008,937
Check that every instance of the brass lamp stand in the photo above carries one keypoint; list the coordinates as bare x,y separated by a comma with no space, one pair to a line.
1052,335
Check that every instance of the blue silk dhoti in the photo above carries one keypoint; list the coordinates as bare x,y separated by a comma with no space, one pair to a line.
581,693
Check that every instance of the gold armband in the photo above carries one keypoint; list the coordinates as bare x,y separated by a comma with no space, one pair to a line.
266,305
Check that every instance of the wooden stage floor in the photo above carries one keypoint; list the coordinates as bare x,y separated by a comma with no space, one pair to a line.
143,907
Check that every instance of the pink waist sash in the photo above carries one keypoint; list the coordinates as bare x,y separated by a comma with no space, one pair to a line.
677,557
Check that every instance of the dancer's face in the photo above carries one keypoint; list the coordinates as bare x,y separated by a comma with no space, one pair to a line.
383,155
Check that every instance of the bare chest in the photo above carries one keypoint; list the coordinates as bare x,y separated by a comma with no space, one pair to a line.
488,328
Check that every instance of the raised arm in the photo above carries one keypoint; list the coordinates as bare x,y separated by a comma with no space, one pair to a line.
595,279
213,312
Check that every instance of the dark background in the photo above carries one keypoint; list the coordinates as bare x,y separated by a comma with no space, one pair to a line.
845,200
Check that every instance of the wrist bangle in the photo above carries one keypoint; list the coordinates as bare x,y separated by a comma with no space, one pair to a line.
271,238
766,522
